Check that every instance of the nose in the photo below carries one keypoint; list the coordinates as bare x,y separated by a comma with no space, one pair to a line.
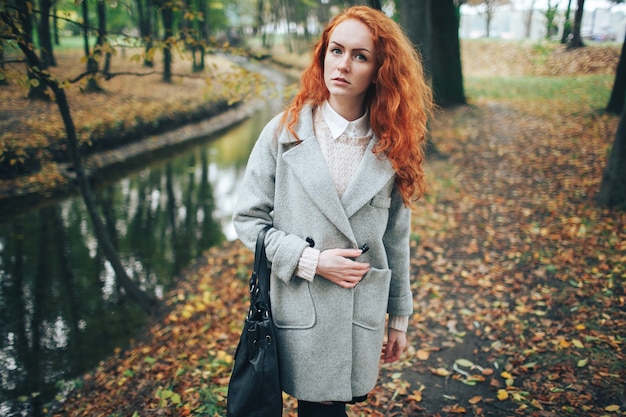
344,64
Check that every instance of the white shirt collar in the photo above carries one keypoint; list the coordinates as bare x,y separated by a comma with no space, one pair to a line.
338,125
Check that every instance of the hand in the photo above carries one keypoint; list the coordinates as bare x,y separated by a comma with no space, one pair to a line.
396,344
336,266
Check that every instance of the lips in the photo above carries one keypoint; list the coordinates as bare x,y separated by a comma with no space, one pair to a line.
341,80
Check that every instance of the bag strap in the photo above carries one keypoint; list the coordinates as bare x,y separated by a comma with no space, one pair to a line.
260,279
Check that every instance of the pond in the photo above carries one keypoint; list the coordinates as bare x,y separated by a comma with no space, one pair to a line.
62,310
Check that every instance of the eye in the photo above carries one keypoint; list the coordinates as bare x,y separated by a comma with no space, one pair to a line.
335,51
360,57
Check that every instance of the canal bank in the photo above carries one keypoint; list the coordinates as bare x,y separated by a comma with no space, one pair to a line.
22,193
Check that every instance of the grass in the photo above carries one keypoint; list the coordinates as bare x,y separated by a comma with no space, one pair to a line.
581,93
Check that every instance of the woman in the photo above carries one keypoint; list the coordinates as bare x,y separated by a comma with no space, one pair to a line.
334,176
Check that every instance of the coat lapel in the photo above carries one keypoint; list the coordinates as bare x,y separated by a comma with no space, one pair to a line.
308,165
371,176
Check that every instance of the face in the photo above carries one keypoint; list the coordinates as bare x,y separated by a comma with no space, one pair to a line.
349,65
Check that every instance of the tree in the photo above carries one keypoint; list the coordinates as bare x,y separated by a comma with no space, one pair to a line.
167,16
44,33
201,35
567,25
618,92
528,17
447,72
415,18
145,16
550,14
92,64
101,40
24,17
613,188
490,7
576,40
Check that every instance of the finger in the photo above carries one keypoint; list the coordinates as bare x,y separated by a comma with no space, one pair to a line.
349,253
392,352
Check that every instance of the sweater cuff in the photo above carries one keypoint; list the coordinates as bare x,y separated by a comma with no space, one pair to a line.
400,323
307,265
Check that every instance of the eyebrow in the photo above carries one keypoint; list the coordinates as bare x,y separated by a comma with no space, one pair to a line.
354,49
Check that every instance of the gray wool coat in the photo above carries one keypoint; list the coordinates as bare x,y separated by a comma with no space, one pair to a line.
329,338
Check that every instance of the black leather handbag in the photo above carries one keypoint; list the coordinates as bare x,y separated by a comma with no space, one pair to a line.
254,387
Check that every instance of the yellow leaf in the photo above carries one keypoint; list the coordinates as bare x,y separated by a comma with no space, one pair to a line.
506,375
422,355
612,408
502,394
475,400
440,371
536,404
415,396
582,363
577,343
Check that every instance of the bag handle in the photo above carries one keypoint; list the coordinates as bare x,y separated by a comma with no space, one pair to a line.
260,279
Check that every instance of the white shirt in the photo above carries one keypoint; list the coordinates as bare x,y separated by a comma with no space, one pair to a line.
339,126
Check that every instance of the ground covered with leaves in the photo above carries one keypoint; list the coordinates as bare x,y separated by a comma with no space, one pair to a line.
518,274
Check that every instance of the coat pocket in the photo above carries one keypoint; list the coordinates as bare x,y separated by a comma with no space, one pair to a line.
370,299
292,304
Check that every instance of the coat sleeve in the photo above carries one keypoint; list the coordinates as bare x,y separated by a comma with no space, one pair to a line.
255,205
396,241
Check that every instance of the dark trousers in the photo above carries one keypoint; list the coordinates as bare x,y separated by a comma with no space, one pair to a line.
308,409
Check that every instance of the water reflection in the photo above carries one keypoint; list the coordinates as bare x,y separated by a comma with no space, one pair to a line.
61,307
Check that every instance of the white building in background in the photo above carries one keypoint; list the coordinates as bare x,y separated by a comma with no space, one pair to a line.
509,22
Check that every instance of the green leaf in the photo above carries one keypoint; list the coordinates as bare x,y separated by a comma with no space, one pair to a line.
465,363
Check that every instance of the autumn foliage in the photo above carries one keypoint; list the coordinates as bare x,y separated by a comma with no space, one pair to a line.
518,282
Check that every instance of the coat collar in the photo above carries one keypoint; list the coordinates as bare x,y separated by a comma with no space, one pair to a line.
308,164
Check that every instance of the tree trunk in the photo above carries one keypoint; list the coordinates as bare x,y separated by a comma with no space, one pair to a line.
145,30
3,77
102,37
613,188
567,26
415,18
43,30
36,89
203,29
92,64
577,41
55,26
168,23
618,93
528,19
447,72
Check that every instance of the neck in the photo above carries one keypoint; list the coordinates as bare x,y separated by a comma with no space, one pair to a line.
349,109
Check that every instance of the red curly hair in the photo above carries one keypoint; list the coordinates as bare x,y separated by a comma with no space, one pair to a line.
400,101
